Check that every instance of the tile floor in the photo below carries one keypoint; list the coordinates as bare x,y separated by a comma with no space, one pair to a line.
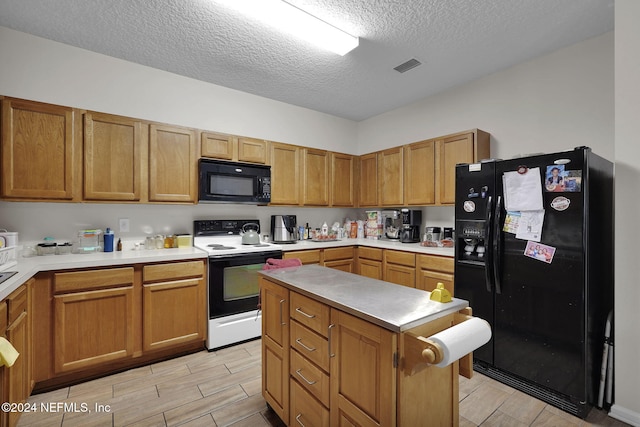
223,388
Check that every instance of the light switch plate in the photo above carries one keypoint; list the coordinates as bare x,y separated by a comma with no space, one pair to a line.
124,225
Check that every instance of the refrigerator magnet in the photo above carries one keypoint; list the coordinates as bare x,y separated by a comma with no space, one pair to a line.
469,206
539,252
560,203
573,181
555,178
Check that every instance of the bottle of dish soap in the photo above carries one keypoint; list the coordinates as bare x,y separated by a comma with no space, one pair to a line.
108,240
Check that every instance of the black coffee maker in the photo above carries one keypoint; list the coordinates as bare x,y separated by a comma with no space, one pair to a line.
411,222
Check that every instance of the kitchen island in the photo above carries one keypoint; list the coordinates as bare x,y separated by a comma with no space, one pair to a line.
342,349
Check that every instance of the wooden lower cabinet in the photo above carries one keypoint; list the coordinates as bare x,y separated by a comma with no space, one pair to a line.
363,373
433,270
92,327
17,379
340,258
275,347
400,268
370,262
167,290
93,321
337,369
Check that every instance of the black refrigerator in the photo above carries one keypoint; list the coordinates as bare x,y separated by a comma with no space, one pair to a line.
543,280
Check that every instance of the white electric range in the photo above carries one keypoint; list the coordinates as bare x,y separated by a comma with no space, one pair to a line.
232,291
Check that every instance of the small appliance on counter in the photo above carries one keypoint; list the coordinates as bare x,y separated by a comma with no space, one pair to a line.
432,234
283,228
392,224
411,222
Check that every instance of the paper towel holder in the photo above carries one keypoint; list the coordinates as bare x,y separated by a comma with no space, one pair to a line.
420,352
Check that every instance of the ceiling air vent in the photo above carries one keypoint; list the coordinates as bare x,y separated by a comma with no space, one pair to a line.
404,67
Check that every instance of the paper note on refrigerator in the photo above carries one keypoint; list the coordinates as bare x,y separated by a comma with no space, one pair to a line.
522,191
530,225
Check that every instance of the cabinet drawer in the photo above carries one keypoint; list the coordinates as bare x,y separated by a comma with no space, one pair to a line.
172,271
92,279
16,304
310,345
305,410
3,318
332,254
313,314
436,263
402,258
307,257
370,253
310,377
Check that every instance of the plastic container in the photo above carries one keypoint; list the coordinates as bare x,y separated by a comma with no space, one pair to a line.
8,238
108,240
64,248
89,241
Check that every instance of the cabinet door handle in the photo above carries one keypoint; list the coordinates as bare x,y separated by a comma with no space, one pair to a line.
298,420
281,322
306,380
310,316
299,341
329,337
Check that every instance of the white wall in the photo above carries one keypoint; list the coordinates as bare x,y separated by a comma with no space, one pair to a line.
627,154
43,70
554,102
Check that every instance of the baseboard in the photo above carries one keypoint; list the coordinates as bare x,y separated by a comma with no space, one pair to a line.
625,415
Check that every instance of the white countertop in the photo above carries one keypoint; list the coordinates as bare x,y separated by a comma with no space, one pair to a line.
393,307
379,243
28,267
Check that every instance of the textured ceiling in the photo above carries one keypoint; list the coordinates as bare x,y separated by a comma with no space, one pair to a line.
456,40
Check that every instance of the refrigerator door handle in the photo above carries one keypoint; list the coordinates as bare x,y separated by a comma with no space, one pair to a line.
488,244
497,245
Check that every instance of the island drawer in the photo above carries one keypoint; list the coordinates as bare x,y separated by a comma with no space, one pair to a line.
310,377
305,410
401,258
310,345
313,314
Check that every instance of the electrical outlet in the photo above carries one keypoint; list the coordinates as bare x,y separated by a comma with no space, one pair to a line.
124,225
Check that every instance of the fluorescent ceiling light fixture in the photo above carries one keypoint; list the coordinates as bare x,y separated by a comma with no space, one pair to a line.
288,18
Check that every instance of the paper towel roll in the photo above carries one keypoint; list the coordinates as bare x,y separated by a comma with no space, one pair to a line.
461,339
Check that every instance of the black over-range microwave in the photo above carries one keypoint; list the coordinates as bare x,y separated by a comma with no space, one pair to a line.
234,182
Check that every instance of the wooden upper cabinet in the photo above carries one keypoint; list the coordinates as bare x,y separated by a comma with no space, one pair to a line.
391,182
253,150
342,180
238,149
112,157
285,174
467,147
419,168
173,164
315,167
368,194
40,151
217,145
